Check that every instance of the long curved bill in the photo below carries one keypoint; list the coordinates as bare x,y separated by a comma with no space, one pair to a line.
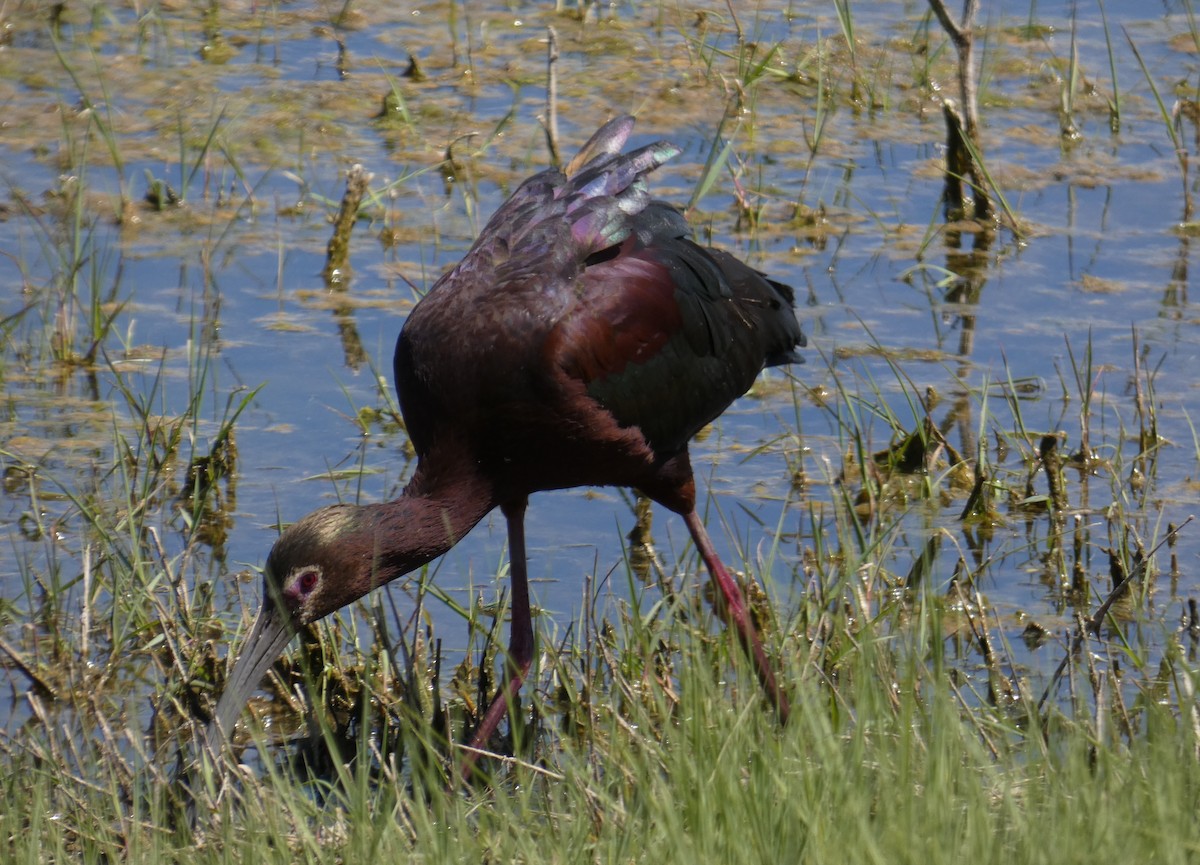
272,631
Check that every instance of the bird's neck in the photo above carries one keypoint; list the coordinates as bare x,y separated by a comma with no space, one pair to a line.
436,510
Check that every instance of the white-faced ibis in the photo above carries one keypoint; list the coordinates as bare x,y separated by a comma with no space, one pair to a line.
582,341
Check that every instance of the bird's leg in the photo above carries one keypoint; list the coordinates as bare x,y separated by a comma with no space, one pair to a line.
731,606
520,641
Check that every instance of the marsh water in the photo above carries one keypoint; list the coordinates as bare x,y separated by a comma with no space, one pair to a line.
169,174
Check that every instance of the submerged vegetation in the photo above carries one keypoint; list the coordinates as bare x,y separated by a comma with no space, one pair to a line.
969,511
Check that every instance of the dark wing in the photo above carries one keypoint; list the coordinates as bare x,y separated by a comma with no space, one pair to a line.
584,275
667,333
468,346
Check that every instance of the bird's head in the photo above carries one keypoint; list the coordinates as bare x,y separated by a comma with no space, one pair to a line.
333,557
311,571
314,567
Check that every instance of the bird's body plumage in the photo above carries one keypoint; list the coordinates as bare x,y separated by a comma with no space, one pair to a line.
614,346
583,340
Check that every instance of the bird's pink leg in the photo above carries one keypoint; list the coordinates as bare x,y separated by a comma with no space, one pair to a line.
520,641
732,607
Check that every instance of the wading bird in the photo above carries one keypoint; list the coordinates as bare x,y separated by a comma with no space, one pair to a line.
582,341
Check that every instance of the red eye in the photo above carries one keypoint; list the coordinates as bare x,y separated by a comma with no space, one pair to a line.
300,587
307,582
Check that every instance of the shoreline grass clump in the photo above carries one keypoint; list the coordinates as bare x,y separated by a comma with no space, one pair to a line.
883,759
